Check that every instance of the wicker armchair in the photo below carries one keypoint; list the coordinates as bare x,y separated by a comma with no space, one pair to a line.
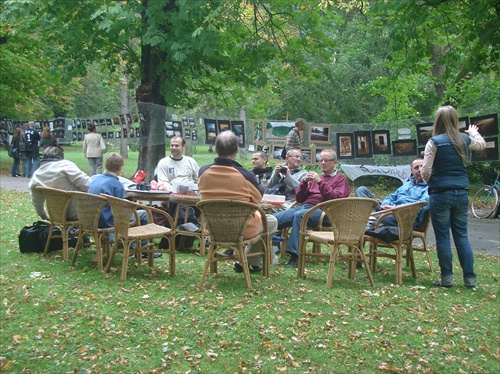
405,216
127,234
348,217
420,232
57,203
226,221
89,208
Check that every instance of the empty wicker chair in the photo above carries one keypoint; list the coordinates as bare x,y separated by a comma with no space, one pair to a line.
348,218
405,216
57,203
226,221
89,208
127,234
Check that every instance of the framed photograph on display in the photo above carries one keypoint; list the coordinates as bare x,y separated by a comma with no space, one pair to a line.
116,121
79,136
363,144
463,124
108,122
307,155
490,153
169,133
276,149
102,122
238,127
223,125
137,132
424,132
129,118
194,135
487,125
345,145
111,135
278,130
118,134
319,133
125,133
104,135
381,142
131,133
406,147
210,131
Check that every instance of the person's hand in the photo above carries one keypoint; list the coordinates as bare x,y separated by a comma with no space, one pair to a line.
312,176
383,207
45,217
277,169
473,130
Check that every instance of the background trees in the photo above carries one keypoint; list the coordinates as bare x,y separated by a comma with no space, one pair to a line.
328,61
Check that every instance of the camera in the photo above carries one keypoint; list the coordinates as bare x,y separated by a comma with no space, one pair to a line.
283,170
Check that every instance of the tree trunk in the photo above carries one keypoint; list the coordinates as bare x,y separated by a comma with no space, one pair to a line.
124,98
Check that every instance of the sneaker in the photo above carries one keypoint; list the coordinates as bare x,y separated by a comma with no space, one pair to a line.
253,268
156,255
439,284
292,263
229,252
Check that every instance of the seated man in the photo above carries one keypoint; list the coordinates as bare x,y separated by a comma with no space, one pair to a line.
286,177
227,179
412,191
109,184
312,190
55,172
260,168
177,168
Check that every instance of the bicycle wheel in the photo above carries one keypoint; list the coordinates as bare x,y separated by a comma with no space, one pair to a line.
485,202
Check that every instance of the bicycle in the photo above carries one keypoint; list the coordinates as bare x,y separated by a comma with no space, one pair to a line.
485,201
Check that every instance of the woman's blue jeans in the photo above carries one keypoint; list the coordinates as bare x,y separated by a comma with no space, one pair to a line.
449,209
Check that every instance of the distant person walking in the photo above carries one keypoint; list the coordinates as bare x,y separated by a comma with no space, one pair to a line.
445,170
15,152
32,137
93,149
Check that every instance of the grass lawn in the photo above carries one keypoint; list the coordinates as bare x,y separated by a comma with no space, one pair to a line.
58,319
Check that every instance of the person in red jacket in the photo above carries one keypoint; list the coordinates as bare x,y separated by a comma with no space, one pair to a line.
312,190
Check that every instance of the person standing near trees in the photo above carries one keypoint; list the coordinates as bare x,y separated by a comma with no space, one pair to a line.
293,139
93,149
14,144
32,137
445,170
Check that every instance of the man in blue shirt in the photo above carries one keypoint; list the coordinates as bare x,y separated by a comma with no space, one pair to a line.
412,191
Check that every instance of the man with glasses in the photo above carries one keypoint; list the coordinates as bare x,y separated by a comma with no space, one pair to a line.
286,177
312,190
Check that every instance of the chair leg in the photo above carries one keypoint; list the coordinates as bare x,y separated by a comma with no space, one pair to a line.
126,252
244,264
111,256
334,255
301,271
49,238
171,243
77,248
428,257
365,263
409,256
399,265
208,261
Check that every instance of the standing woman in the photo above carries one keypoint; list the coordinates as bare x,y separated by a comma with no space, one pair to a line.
47,138
445,171
16,155
93,149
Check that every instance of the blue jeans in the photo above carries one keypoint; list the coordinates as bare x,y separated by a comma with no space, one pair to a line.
449,209
293,218
30,163
15,166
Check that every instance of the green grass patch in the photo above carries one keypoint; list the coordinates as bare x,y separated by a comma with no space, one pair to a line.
56,318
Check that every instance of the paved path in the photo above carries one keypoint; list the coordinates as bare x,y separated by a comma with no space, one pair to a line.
484,234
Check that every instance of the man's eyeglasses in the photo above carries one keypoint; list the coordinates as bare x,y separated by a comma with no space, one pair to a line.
296,156
324,160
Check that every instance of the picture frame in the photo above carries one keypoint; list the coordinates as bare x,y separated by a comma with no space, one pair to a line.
116,121
223,125
125,133
362,144
424,132
108,122
102,122
307,155
405,147
463,124
276,150
487,125
277,130
118,134
137,133
111,134
345,145
319,133
79,136
238,127
210,131
381,142
104,135
490,153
